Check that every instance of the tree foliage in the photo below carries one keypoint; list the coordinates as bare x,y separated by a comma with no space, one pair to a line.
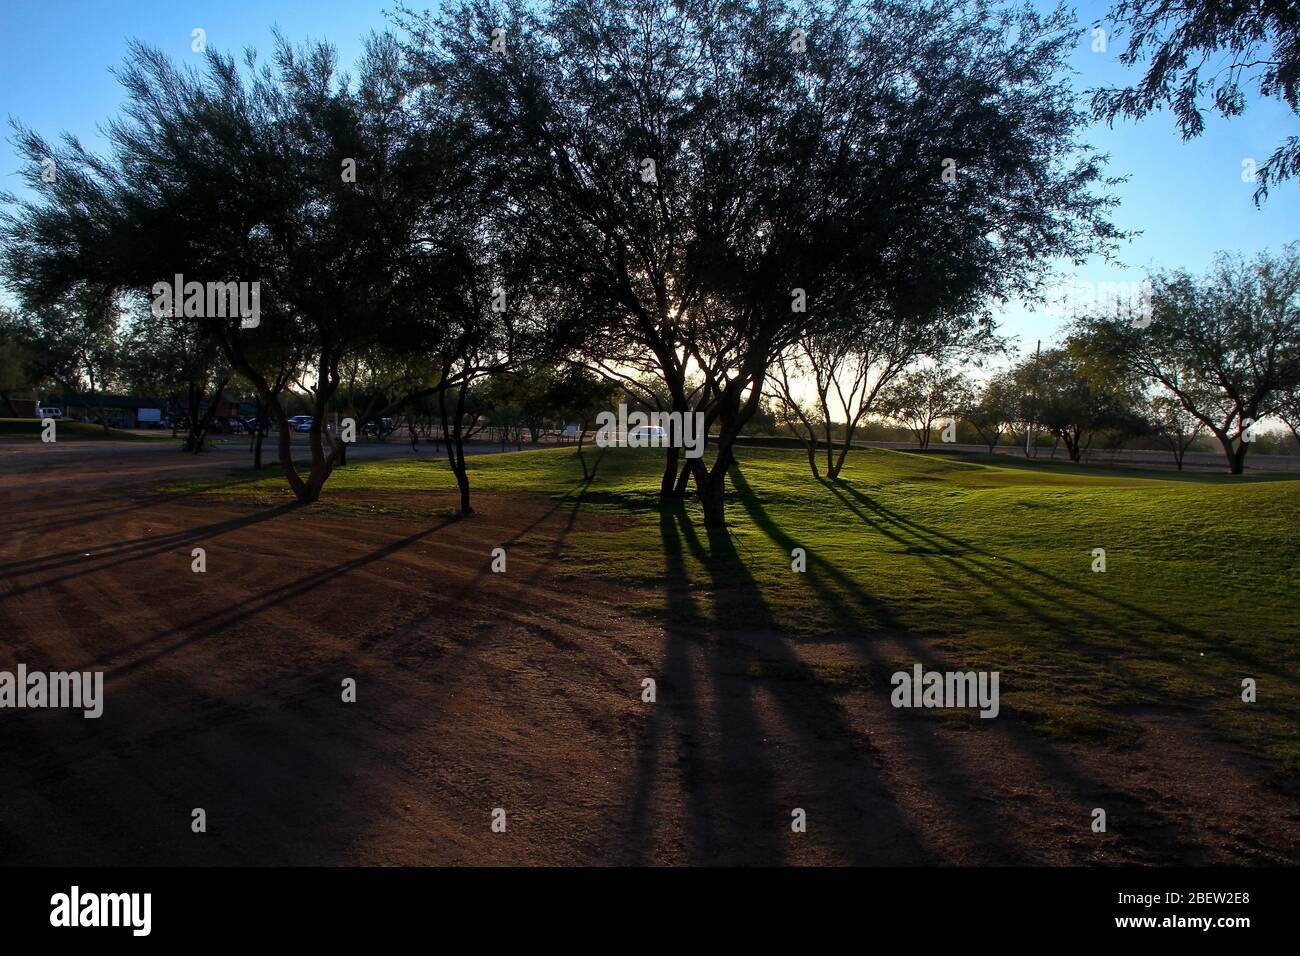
1225,344
1198,56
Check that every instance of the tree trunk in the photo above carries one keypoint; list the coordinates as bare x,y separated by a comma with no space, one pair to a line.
668,481
732,414
259,430
296,484
1236,456
456,444
712,499
103,414
850,429
684,479
711,484
587,476
462,483
831,470
199,428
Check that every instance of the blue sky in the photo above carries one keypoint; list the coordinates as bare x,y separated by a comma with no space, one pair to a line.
1187,199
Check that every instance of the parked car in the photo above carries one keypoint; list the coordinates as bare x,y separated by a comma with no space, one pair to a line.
646,436
49,411
303,424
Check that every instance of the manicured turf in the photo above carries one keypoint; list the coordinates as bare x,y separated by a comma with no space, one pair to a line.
989,559
68,430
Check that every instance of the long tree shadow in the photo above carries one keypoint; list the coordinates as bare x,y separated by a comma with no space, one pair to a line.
938,555
208,625
675,727
825,766
82,516
861,607
200,496
968,811
1045,595
135,549
974,810
287,776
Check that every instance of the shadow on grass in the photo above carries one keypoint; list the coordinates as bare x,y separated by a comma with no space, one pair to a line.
971,811
1035,592
714,718
1103,469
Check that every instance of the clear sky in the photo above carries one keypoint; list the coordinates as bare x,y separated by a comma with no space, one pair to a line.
1187,199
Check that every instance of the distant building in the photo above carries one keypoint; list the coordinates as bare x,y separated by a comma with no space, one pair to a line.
20,408
134,411
122,411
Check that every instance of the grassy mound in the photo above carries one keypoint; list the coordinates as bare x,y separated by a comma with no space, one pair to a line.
69,430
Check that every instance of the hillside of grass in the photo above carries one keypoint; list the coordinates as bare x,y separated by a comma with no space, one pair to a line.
69,430
990,560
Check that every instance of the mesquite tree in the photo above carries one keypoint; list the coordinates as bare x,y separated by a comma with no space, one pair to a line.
925,397
994,409
288,175
844,372
1197,55
1226,345
706,182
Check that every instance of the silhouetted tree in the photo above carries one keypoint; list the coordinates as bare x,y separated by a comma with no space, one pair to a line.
704,182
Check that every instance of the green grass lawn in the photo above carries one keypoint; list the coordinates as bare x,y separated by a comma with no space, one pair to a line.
69,430
990,559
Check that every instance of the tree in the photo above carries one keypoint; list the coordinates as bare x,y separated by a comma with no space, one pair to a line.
75,342
699,186
1026,378
18,361
1175,425
308,184
1181,42
1226,345
923,397
996,406
1071,398
845,371
1289,412
470,309
539,393
580,396
167,358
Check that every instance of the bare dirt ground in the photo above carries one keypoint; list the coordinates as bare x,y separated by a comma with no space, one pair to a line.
519,690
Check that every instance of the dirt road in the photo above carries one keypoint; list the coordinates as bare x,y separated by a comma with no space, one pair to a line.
519,691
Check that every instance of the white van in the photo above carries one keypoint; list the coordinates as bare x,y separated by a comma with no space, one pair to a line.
49,411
